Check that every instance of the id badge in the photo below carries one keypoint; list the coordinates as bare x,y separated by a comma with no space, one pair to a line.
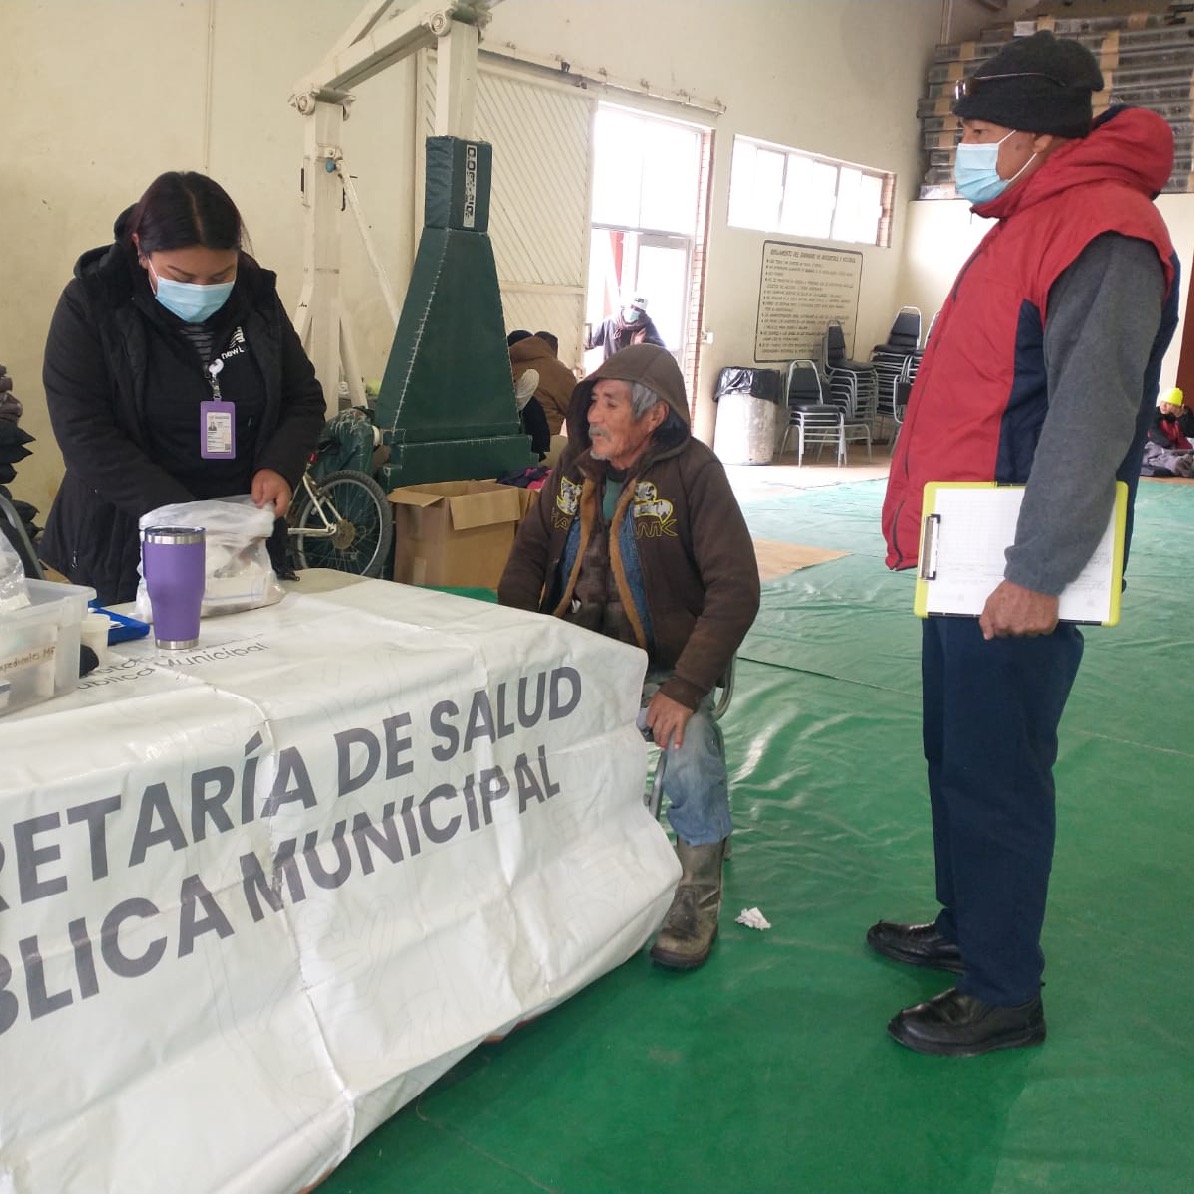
217,430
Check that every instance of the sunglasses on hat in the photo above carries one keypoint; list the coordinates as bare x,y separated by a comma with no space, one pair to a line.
966,87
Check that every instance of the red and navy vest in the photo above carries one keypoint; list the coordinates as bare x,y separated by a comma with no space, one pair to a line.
981,393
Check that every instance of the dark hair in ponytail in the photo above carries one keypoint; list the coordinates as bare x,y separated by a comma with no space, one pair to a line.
185,208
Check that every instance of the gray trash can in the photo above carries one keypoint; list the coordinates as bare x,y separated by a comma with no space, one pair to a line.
747,414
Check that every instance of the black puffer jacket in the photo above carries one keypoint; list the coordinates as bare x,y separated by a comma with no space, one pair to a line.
123,386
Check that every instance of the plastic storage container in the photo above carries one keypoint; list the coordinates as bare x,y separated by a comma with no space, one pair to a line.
39,645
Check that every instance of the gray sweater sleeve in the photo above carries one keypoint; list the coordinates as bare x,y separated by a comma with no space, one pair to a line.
1103,316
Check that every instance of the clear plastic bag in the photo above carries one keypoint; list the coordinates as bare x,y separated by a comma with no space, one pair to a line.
13,594
239,573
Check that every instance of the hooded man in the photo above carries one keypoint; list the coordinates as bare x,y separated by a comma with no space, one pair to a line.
631,325
637,536
1058,320
555,381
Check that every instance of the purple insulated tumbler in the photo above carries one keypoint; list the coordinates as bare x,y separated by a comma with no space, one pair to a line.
173,562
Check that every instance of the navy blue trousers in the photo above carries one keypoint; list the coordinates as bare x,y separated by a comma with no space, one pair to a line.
991,712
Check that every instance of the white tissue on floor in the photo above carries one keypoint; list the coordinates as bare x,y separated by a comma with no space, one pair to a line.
753,919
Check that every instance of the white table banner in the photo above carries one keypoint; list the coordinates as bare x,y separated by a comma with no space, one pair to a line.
254,897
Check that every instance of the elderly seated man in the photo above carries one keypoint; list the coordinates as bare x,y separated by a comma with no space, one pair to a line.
637,536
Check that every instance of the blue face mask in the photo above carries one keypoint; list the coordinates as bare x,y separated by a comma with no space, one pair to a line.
975,173
630,315
189,302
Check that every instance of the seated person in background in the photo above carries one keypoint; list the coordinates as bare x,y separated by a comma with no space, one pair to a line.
172,316
10,408
12,450
530,414
630,325
12,438
1168,451
636,535
555,384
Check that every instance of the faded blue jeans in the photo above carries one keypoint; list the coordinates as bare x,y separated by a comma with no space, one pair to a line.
695,781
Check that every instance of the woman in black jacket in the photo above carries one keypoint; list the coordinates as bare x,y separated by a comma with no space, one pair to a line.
172,373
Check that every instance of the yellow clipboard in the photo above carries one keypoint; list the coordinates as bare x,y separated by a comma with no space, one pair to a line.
967,527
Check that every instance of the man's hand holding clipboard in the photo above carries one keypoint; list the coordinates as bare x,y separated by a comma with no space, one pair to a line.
1013,611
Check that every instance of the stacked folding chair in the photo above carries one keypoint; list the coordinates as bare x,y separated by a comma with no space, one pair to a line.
896,361
853,387
816,421
903,385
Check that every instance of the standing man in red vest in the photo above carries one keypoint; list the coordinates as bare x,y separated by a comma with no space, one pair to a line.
1058,321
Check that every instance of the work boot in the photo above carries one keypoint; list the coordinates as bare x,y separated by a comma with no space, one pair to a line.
690,926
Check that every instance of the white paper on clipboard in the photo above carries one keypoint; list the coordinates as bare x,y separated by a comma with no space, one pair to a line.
967,530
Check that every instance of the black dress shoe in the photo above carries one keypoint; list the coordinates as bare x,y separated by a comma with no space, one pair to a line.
958,1025
918,945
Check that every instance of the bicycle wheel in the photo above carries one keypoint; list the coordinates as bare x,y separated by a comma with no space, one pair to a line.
364,526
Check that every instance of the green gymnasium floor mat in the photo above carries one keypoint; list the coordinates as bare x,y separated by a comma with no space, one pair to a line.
769,1070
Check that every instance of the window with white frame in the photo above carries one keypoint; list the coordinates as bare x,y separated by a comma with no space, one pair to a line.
642,170
777,189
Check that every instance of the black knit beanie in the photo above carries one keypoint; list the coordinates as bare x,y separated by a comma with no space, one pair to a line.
1037,84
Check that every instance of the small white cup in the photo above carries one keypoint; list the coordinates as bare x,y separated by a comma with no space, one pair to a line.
93,633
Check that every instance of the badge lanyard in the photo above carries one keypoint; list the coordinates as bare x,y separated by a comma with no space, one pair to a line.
217,420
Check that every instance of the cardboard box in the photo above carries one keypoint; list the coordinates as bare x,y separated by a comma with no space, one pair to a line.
455,533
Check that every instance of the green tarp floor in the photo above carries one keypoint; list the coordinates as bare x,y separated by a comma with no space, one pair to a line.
770,1069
